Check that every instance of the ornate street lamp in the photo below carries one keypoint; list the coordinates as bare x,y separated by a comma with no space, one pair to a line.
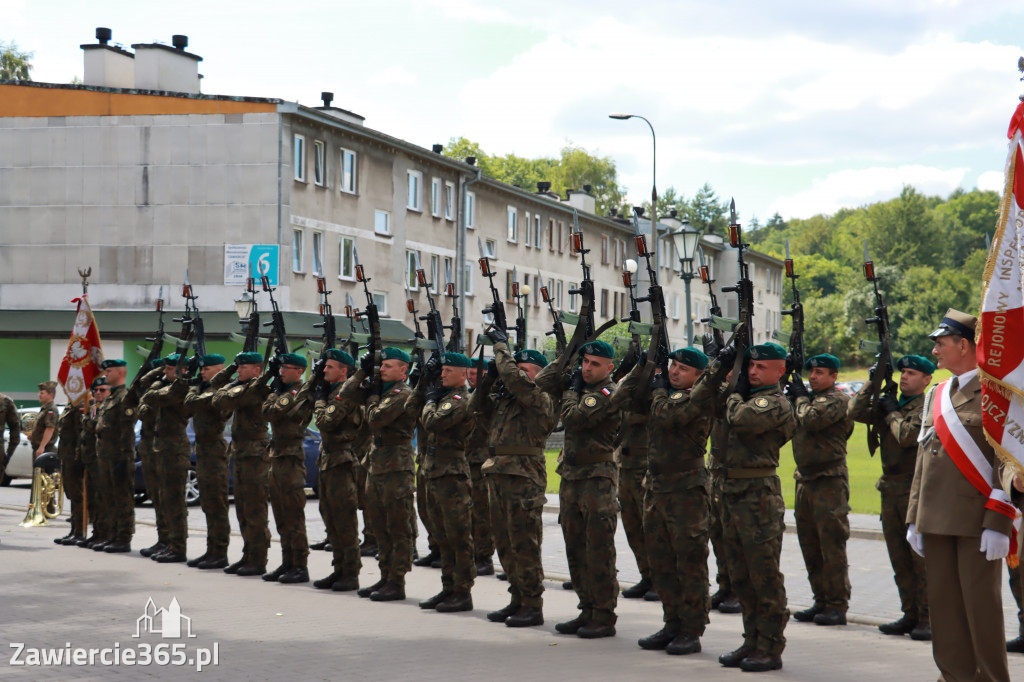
685,239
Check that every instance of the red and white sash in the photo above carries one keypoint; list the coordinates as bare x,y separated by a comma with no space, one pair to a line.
966,454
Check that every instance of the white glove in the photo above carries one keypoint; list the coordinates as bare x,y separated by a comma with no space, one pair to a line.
915,539
994,545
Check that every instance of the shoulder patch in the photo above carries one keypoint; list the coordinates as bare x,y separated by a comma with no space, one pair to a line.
676,395
761,402
129,411
821,399
284,401
397,390
386,401
590,401
457,396
236,390
606,391
446,405
331,409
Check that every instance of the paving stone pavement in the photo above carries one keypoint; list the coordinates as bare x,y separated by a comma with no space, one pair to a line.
56,596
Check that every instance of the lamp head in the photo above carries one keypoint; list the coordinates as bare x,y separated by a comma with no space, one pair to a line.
619,116
630,266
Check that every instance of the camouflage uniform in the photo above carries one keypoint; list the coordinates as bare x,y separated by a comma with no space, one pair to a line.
97,495
9,419
823,494
152,380
173,453
719,437
115,449
390,479
340,420
68,429
677,505
46,419
588,508
248,450
752,506
361,448
421,495
898,446
449,496
289,410
476,455
632,461
212,465
521,417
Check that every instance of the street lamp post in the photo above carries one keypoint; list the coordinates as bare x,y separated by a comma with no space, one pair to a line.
654,180
685,240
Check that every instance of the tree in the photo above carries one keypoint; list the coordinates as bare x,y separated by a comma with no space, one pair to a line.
15,65
668,201
706,212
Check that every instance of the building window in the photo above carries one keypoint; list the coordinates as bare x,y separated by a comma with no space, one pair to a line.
536,231
561,237
435,264
508,286
382,222
512,234
346,261
449,201
536,291
558,295
573,298
415,190
675,306
297,255
551,234
604,303
529,230
490,248
470,209
604,249
412,259
348,171
435,197
468,273
448,274
319,163
380,298
299,158
615,305
318,254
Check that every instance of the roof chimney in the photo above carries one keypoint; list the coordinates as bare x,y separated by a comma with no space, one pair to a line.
327,98
179,41
106,65
162,67
437,148
336,112
543,186
471,160
581,201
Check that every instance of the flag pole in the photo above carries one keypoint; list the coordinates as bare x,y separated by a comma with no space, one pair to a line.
84,273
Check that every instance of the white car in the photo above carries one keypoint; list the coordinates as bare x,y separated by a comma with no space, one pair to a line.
20,465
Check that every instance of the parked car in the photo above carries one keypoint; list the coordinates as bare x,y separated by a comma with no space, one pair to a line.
850,388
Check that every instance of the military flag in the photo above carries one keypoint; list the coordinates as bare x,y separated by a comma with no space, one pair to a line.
81,363
1001,324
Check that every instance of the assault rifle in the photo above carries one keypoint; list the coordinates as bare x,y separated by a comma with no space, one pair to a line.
371,313
329,336
657,352
714,319
636,328
157,340
795,358
251,325
517,295
354,337
280,336
497,307
435,325
455,344
557,329
881,375
742,336
192,332
418,342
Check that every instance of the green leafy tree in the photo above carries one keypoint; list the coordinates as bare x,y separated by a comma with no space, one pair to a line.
15,65
706,212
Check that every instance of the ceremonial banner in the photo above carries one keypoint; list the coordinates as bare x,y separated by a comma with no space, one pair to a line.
1001,324
82,360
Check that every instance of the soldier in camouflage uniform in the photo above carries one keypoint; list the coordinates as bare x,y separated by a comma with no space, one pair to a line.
68,429
631,458
760,420
9,419
288,408
153,379
677,503
45,427
521,415
212,464
433,556
898,423
822,488
449,497
97,495
339,415
363,443
173,453
724,599
390,481
476,455
588,508
115,448
244,397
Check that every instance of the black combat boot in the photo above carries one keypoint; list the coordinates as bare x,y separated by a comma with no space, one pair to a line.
733,658
903,626
389,591
571,627
319,545
194,563
683,645
325,583
830,616
213,562
526,616
426,561
435,600
233,568
276,574
761,661
638,590
500,615
659,640
807,615
299,574
456,601
346,583
367,591
484,566
595,630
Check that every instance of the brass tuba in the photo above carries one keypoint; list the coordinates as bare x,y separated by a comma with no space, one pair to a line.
47,499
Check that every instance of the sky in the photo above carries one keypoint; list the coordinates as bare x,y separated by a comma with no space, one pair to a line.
796,107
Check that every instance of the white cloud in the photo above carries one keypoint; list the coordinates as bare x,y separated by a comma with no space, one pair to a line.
992,180
853,188
393,75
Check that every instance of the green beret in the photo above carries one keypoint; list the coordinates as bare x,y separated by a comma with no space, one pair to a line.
107,364
159,362
918,362
211,359
599,348
392,353
249,358
293,359
690,356
824,360
455,360
98,381
766,351
338,355
531,356
172,360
